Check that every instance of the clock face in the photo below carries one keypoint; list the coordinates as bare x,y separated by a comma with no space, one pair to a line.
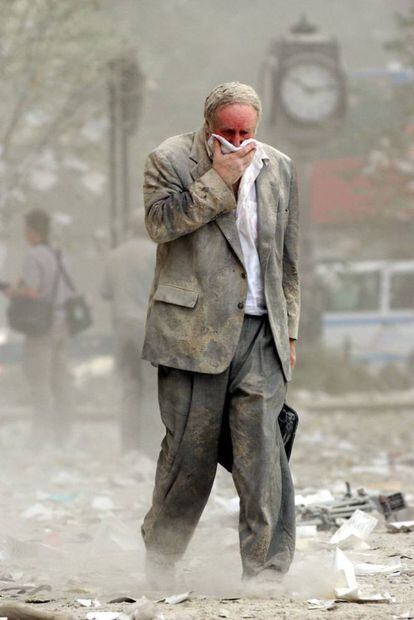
310,92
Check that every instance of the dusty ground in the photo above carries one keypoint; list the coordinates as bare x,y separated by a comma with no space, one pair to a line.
69,522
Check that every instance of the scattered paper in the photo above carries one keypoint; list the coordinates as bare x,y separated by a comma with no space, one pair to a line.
354,532
316,603
175,599
400,526
323,496
405,616
345,582
102,615
364,568
223,613
37,511
88,602
306,531
375,598
346,585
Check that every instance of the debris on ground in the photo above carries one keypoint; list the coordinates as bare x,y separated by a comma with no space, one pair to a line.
354,532
88,602
400,526
175,599
364,568
316,603
145,610
102,615
326,511
17,611
73,546
347,587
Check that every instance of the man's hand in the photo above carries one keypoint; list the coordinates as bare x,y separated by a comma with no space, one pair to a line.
292,353
231,166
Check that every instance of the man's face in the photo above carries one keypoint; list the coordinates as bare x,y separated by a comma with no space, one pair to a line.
32,237
235,122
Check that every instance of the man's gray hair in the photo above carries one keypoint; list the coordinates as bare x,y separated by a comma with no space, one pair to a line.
228,94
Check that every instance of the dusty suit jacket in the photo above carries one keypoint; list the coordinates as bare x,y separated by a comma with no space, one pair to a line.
196,304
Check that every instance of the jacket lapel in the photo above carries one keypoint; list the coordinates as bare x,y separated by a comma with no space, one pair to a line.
267,202
227,225
201,163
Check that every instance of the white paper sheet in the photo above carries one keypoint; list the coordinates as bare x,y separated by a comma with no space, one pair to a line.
400,526
346,585
354,532
364,568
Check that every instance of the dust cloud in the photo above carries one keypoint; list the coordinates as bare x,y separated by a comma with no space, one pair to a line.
89,90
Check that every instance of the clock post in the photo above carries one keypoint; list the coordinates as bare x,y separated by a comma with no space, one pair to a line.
306,85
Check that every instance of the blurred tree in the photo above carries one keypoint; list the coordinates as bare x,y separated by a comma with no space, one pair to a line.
54,56
391,159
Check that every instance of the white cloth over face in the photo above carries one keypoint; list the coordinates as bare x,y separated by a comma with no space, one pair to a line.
246,221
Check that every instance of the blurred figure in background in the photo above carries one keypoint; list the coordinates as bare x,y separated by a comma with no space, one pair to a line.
126,284
45,357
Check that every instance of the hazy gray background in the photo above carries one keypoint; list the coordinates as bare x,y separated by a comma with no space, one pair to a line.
70,517
187,47
184,48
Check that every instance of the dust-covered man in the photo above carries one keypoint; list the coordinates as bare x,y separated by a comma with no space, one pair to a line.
222,325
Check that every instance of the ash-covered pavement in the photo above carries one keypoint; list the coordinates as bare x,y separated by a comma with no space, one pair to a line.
70,521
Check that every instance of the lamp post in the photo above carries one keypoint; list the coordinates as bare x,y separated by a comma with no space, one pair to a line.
125,94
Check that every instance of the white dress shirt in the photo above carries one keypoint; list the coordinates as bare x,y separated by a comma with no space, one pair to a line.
246,221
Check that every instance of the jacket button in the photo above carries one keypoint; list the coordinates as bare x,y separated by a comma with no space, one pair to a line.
243,275
240,305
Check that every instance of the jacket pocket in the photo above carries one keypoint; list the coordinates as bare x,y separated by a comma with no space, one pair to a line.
171,294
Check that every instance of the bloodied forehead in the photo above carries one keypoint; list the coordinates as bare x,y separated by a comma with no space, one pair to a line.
236,116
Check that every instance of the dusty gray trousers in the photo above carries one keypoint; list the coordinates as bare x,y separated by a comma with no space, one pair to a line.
251,392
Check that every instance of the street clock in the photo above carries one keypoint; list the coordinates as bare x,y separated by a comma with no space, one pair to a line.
307,86
311,90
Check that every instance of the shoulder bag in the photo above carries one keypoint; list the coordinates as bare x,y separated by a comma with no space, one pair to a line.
77,311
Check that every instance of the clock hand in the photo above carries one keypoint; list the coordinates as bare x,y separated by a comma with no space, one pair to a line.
299,82
309,88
